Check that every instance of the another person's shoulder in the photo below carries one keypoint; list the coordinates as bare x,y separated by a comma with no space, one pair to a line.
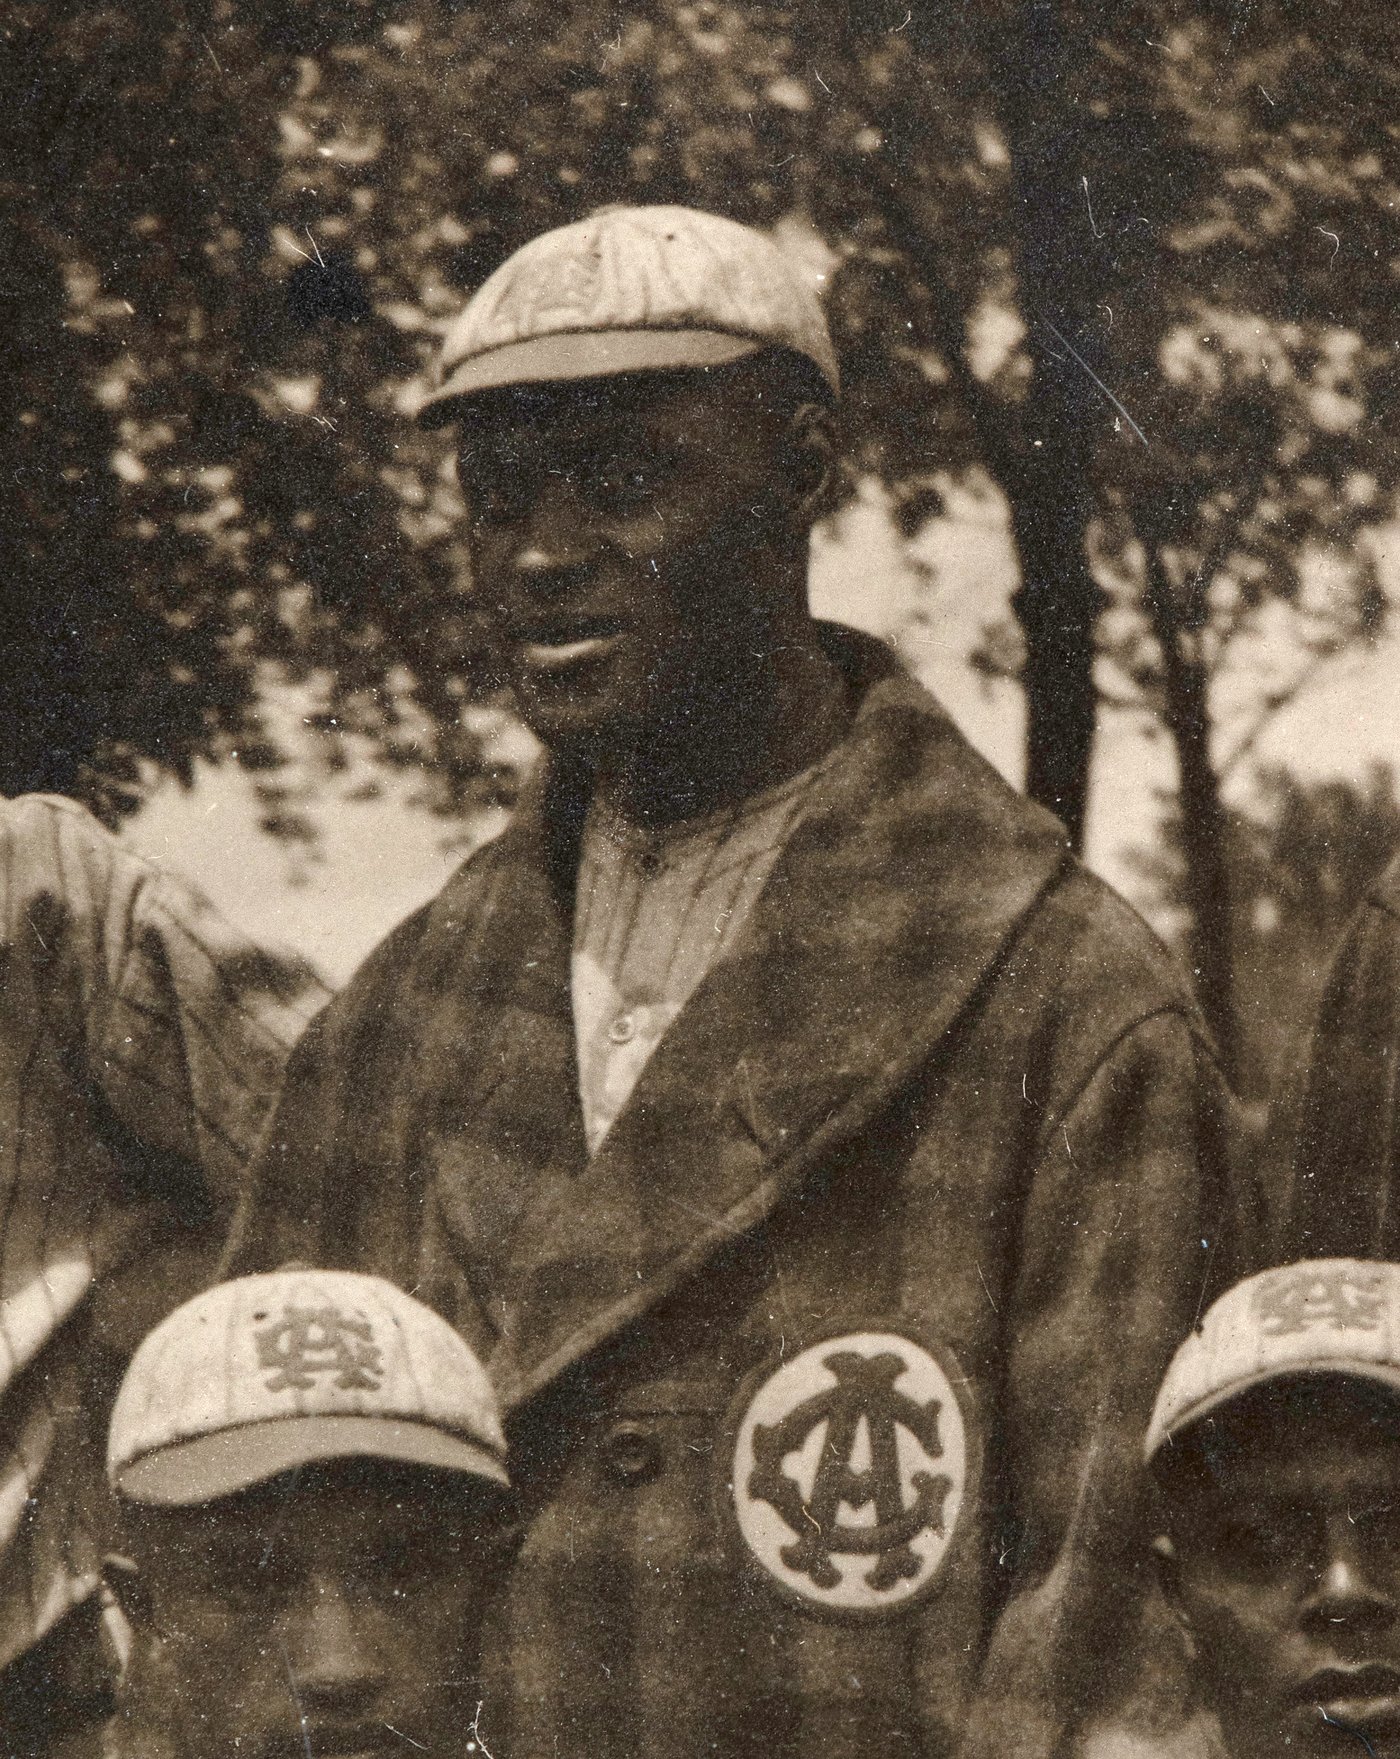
1364,973
55,852
1383,895
63,873
37,826
77,897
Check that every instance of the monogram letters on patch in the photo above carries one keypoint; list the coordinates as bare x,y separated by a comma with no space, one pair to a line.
311,1341
1341,1297
850,1469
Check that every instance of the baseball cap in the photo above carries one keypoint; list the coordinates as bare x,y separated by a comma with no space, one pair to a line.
259,1375
630,289
1320,1316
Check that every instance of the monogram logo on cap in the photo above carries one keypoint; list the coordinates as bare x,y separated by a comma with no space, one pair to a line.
850,1470
564,288
311,1341
1343,1298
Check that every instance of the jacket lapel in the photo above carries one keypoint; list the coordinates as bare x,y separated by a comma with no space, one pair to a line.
489,1068
902,886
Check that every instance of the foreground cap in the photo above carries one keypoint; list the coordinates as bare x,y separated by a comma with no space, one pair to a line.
260,1375
629,290
1321,1316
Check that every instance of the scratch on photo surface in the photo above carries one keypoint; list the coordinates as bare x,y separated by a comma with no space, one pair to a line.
403,1737
713,1218
1346,1729
296,1700
1205,1282
985,1290
475,1731
1084,367
1096,230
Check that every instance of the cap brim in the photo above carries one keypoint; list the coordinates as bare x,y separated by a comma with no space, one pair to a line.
1377,1373
207,1467
593,354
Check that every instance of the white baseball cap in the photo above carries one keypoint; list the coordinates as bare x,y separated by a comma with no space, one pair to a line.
266,1373
629,290
1320,1316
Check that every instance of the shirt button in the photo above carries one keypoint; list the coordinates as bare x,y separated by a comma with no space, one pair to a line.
632,1453
623,1029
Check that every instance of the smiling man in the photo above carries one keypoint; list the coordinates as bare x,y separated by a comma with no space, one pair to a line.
1276,1444
825,1161
310,1470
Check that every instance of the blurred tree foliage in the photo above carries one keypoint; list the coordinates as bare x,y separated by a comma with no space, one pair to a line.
1130,259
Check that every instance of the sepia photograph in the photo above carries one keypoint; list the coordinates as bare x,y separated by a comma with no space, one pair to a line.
699,879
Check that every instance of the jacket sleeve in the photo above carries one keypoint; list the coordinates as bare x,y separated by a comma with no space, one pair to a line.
305,1196
1130,1230
177,1027
1335,1125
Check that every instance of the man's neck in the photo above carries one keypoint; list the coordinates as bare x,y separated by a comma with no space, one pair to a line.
716,749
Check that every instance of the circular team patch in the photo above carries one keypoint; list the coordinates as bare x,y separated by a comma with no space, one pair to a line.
850,1469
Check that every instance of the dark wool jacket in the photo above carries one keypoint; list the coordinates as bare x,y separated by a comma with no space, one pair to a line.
1338,1121
949,1092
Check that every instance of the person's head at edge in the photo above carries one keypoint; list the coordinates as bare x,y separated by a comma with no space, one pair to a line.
1275,1452
642,460
312,1576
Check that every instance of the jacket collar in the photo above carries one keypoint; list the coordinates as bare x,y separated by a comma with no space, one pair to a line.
900,888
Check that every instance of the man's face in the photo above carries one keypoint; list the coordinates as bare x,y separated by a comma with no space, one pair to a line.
614,525
1287,1574
323,1617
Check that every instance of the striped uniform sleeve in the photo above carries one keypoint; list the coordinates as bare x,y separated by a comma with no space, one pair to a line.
141,1045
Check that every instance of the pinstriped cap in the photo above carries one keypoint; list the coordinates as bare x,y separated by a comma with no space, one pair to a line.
1320,1316
629,290
257,1376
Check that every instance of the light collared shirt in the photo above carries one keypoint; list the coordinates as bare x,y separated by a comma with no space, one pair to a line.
654,913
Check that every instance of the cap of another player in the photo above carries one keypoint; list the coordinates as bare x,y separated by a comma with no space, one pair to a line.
257,1376
1320,1316
629,290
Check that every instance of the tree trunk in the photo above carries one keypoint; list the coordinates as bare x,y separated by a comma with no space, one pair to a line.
1040,454
1036,58
1058,606
1207,874
1203,824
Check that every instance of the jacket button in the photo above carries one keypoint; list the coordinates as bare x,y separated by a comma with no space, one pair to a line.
631,1453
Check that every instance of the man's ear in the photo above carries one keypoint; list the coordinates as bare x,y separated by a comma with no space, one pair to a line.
812,444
